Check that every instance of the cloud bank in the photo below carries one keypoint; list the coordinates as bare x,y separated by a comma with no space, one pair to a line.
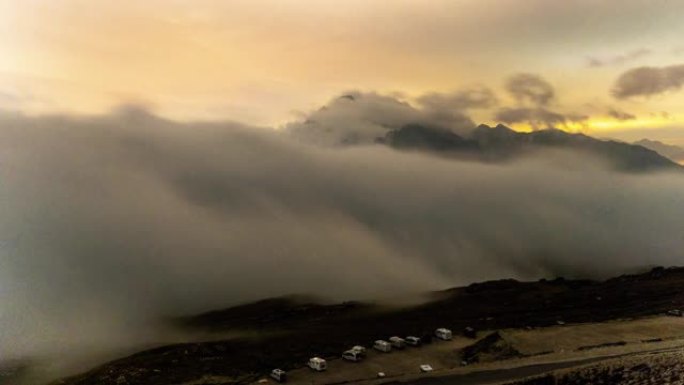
108,223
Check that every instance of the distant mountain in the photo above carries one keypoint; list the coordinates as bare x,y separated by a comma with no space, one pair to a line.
415,136
673,152
501,143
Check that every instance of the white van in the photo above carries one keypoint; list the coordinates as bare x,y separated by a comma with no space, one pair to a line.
397,342
413,341
443,334
352,355
382,346
318,364
279,375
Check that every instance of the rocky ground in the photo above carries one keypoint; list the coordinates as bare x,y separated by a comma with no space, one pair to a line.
650,369
285,332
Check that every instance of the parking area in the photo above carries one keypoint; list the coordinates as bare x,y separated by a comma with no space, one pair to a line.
439,355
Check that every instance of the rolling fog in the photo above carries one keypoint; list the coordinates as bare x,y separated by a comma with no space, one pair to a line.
109,223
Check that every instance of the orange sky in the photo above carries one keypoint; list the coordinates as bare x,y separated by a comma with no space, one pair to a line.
262,61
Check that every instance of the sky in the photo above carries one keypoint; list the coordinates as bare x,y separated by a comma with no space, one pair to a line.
267,62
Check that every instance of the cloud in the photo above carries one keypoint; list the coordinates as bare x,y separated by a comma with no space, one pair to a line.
621,59
534,94
648,81
109,223
537,118
530,88
620,115
476,97
358,117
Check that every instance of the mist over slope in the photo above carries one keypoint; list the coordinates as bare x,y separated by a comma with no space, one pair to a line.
108,223
673,152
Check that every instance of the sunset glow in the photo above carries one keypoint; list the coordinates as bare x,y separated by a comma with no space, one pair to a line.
266,61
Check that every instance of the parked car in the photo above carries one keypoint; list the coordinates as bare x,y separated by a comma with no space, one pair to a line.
675,313
382,346
413,341
443,334
318,364
279,375
359,349
397,342
425,368
352,355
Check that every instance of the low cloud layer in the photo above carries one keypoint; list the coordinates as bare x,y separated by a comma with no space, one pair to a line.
109,223
649,81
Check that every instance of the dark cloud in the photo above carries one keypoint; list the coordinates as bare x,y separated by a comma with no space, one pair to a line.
356,117
620,115
530,88
649,81
109,223
533,95
593,61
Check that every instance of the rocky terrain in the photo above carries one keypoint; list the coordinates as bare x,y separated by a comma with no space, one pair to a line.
285,332
651,369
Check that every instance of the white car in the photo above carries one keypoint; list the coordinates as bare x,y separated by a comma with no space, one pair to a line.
425,368
397,342
360,349
413,341
382,346
352,355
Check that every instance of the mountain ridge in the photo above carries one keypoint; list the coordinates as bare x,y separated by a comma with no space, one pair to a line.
670,151
500,143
